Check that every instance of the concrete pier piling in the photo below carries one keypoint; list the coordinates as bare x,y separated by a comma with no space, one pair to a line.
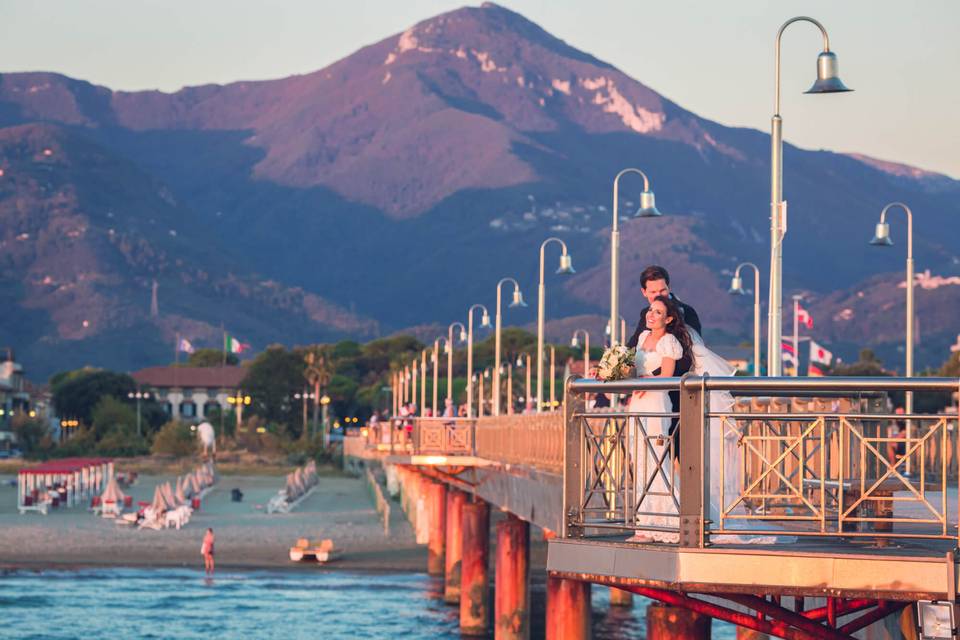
620,598
665,622
512,592
568,609
436,496
474,579
453,553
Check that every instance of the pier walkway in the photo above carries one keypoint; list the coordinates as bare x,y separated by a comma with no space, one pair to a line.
793,509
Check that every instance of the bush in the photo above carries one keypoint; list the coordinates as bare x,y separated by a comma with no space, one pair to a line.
30,433
81,442
122,443
175,439
111,414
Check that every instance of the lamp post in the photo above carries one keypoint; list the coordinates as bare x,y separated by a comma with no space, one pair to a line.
515,303
648,209
553,378
736,288
484,322
566,267
423,382
138,395
623,329
463,338
827,82
435,364
882,239
239,401
586,349
524,361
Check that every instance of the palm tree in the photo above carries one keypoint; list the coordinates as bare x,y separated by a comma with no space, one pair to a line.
318,372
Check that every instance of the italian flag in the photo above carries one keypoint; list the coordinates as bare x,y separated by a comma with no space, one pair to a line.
232,345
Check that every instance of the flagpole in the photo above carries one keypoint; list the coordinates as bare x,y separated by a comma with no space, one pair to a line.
796,335
176,350
224,345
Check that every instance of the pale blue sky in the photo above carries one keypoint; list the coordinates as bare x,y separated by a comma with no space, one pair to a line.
714,58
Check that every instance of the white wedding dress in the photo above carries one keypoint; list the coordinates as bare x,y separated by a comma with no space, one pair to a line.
655,498
651,507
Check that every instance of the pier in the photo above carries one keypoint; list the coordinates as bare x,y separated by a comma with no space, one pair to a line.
805,524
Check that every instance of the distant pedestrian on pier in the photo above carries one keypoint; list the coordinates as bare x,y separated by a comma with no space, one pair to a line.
448,409
206,550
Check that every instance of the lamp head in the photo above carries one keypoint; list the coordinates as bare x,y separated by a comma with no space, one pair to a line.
828,70
566,264
519,361
463,335
485,320
446,348
517,299
736,286
574,342
606,329
648,206
881,237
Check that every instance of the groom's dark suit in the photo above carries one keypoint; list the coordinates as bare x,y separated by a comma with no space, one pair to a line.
691,319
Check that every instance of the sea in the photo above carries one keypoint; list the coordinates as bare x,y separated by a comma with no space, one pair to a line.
248,605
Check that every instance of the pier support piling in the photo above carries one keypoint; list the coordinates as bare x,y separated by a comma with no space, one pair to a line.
665,622
437,523
568,609
512,581
620,598
453,553
474,578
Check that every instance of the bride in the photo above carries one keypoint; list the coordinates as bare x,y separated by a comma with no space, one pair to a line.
666,342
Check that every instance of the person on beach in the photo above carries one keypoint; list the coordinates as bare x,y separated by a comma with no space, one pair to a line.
206,549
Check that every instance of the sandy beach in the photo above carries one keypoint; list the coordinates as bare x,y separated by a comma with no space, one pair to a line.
339,508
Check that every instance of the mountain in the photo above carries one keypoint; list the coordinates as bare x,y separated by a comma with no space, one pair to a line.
397,185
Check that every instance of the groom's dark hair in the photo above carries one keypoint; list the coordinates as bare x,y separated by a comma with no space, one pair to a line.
653,272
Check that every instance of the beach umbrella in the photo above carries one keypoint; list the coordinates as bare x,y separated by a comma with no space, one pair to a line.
168,495
181,498
112,493
159,505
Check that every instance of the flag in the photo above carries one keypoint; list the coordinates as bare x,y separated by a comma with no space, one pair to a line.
232,345
804,317
185,346
789,357
820,359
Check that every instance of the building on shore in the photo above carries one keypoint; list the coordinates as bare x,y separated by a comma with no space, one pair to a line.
189,393
14,394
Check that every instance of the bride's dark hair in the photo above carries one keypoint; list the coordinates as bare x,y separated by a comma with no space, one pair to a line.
678,328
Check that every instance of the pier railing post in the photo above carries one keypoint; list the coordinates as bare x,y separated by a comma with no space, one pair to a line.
694,461
572,468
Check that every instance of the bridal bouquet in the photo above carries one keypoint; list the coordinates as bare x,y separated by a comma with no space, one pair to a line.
617,363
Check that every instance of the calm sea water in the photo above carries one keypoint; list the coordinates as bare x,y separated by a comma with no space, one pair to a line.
181,603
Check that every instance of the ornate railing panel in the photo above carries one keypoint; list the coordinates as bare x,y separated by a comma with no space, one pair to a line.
532,440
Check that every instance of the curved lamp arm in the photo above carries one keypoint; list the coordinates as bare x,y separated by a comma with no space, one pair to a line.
826,48
906,210
616,192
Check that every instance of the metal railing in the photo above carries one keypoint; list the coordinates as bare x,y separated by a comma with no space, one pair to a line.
790,457
534,440
444,436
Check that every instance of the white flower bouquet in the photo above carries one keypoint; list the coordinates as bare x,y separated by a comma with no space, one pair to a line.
617,363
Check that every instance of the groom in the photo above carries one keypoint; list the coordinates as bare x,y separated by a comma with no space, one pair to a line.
655,282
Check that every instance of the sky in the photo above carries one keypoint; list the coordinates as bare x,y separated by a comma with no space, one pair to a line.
713,58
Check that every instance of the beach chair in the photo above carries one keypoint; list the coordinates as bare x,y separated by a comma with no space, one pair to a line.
322,551
109,509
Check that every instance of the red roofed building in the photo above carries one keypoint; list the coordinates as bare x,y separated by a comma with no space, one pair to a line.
190,392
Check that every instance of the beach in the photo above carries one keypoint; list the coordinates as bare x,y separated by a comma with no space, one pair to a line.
339,508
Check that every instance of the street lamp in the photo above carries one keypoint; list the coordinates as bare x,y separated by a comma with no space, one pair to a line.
586,349
138,395
240,400
449,348
484,322
736,288
566,267
623,329
648,209
827,82
882,239
515,303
